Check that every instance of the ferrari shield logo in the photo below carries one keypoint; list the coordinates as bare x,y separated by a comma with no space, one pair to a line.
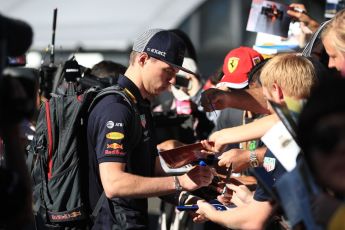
232,64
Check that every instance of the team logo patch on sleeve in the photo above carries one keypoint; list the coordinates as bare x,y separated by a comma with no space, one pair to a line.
114,136
114,146
110,124
113,152
269,164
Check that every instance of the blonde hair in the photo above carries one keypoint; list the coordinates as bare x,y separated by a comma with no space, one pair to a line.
294,74
336,27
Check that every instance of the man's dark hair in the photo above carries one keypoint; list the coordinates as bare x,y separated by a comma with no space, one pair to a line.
108,69
216,76
254,73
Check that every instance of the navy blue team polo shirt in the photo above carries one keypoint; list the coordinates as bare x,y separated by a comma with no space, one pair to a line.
108,131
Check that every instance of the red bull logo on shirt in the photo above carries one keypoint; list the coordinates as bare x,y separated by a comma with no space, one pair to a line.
113,152
114,146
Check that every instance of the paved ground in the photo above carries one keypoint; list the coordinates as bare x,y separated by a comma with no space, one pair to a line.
154,212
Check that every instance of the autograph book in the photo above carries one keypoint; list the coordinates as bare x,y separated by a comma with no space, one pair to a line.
182,159
181,156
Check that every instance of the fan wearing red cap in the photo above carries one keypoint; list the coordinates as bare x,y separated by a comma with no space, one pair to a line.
237,64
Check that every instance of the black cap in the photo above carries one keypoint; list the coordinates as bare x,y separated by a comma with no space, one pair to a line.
163,45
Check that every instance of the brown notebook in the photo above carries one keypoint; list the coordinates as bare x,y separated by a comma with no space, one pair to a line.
180,156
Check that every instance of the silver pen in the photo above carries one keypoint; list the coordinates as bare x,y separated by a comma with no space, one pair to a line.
227,178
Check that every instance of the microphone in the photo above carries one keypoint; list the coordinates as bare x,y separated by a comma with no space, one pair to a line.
16,34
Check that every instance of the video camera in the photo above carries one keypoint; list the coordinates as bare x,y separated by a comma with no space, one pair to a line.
19,93
15,37
16,83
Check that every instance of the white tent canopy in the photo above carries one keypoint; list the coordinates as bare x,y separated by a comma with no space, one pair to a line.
96,24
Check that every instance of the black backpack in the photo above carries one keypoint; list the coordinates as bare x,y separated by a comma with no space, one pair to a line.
58,158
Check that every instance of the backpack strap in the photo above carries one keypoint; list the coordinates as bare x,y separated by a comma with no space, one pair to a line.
115,89
130,99
30,158
50,140
98,206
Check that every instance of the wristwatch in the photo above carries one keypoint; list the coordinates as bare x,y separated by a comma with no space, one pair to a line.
178,186
253,159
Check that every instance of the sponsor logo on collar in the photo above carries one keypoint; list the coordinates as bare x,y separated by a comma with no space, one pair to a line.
130,95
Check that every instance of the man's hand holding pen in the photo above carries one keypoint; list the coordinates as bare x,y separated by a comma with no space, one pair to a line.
199,176
236,194
239,159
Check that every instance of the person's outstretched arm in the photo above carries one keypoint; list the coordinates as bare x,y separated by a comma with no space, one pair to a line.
247,99
251,131
251,216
